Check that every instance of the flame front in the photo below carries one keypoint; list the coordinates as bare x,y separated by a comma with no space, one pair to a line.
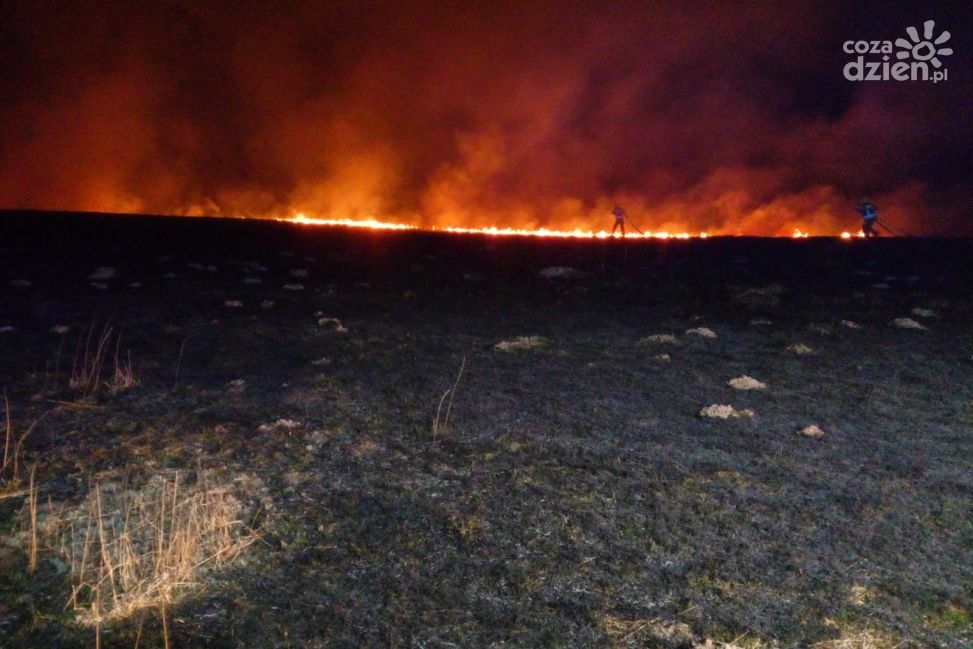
577,233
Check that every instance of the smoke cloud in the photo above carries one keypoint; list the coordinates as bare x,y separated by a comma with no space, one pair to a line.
724,117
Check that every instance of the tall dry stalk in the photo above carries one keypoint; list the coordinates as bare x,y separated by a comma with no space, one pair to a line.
88,362
32,505
451,392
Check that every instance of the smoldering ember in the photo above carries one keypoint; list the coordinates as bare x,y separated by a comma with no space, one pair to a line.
441,324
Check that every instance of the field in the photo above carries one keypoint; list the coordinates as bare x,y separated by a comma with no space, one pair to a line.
452,441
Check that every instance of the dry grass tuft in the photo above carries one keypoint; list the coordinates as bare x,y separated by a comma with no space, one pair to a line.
89,361
863,638
134,550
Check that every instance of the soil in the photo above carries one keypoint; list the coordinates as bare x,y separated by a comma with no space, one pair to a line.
574,497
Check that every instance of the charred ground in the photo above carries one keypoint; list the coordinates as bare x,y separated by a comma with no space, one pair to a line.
575,498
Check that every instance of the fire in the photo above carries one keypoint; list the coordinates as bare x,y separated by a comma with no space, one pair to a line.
577,233
493,231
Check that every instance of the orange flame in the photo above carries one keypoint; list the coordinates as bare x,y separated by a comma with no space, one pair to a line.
577,233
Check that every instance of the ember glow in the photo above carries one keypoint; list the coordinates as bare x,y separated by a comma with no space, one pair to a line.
528,119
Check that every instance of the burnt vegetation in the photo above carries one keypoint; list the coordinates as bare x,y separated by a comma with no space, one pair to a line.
431,444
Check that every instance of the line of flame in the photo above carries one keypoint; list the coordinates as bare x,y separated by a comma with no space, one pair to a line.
577,233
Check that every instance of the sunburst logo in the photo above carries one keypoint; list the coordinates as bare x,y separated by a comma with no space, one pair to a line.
925,48
916,59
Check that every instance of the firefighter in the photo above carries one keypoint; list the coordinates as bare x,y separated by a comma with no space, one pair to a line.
869,216
619,220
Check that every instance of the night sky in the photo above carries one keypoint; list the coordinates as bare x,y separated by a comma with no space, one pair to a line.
725,117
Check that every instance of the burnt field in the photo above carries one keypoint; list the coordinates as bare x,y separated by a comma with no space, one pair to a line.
420,440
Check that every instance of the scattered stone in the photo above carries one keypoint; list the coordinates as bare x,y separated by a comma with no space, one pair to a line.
665,358
818,328
850,324
135,285
812,430
881,286
299,272
760,322
98,286
703,332
5,329
746,383
723,411
211,269
561,272
252,280
233,304
924,313
169,276
293,287
285,424
338,327
321,362
102,273
194,265
237,385
907,323
20,283
800,349
267,304
60,329
659,339
521,342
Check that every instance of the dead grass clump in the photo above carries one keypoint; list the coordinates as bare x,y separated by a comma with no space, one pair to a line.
863,638
131,550
89,364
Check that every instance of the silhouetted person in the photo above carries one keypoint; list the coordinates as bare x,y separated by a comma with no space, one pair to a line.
619,220
869,217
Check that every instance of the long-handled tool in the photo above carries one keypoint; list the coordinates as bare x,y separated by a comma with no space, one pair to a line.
892,231
637,228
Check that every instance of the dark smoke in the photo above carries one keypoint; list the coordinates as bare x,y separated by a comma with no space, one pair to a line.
723,117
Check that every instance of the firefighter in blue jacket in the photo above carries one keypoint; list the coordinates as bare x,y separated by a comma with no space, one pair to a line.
869,216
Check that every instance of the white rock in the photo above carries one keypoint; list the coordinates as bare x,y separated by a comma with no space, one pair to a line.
102,273
521,342
703,332
924,313
800,348
20,283
5,329
812,430
286,424
746,383
338,327
233,304
298,272
760,322
266,304
99,286
723,411
907,323
665,358
60,329
252,280
293,287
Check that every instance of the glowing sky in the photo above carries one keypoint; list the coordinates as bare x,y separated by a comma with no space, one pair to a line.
719,117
